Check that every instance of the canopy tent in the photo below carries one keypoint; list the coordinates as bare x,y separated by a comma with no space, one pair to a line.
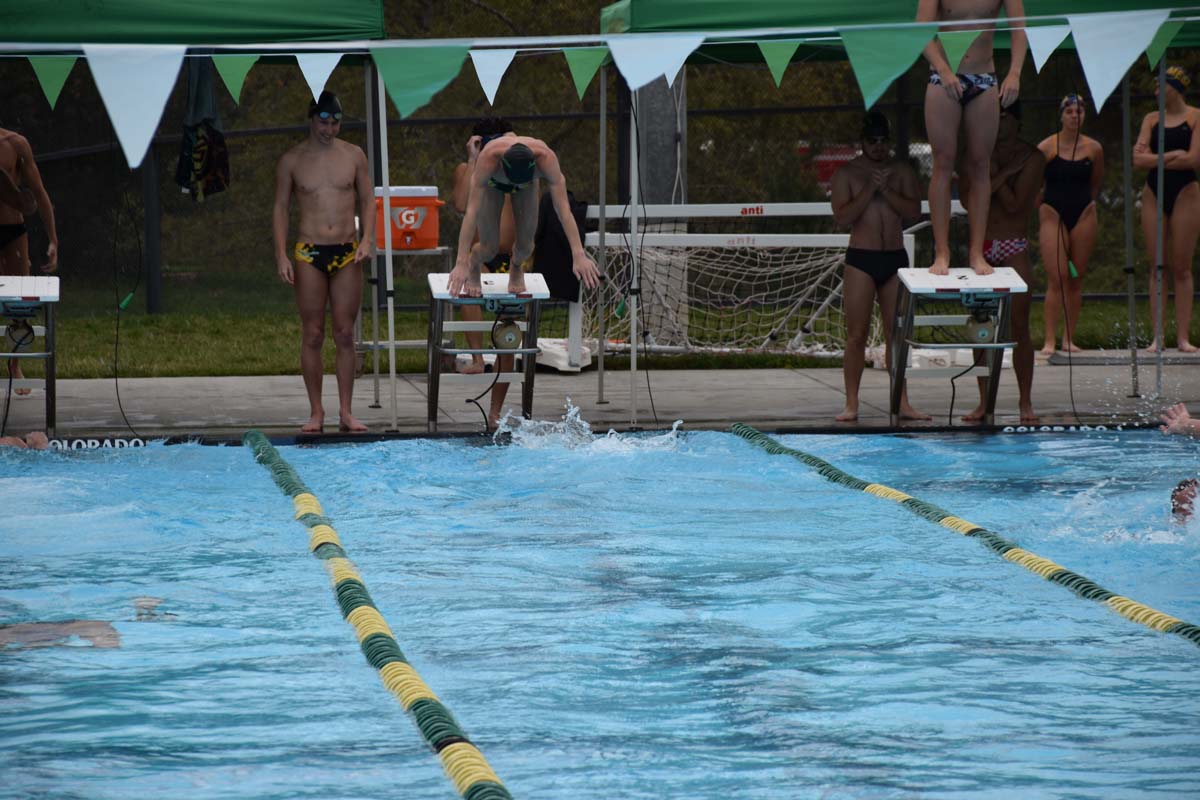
661,16
1110,36
208,22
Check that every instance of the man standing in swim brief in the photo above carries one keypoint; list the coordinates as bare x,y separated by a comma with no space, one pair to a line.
484,131
331,183
967,97
873,195
1016,169
22,193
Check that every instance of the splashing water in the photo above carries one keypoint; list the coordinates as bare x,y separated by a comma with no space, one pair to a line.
572,432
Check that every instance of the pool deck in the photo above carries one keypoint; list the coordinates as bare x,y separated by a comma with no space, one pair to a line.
771,399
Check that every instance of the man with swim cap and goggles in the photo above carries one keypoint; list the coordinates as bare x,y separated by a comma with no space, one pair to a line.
509,167
331,183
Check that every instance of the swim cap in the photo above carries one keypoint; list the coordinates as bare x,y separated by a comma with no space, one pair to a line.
876,124
1178,80
1070,100
327,103
518,164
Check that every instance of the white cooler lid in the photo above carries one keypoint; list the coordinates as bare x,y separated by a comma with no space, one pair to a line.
409,191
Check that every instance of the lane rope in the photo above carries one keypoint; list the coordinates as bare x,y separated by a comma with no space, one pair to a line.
1047,569
466,767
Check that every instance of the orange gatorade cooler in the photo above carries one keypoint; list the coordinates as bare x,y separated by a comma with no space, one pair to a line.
414,217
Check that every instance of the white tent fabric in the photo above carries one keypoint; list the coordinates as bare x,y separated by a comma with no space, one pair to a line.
1044,40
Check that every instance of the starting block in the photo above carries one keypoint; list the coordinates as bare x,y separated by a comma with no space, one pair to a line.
984,321
514,333
22,299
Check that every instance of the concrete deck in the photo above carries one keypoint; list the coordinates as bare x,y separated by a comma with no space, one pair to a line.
772,399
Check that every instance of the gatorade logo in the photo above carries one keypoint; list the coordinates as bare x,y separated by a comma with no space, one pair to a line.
407,219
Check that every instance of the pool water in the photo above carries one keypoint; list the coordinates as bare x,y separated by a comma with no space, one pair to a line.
671,616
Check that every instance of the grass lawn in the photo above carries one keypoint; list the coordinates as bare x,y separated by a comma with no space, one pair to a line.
245,324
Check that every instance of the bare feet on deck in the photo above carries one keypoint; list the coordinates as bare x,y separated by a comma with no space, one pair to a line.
1187,347
464,282
1071,347
975,416
315,424
940,266
474,368
1048,350
348,424
848,415
1028,417
908,412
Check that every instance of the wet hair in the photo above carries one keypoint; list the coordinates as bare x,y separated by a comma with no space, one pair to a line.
491,127
1181,504
1177,79
518,164
328,101
876,124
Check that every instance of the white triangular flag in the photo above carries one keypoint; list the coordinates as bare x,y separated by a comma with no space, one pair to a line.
1109,43
134,83
1043,41
642,58
490,66
317,67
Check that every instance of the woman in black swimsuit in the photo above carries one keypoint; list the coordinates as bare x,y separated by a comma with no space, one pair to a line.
1181,197
1067,217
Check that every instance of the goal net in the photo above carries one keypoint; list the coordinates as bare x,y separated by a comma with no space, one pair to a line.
726,291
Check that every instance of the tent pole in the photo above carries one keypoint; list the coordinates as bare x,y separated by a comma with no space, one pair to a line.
1130,280
601,255
634,277
373,168
1160,287
389,293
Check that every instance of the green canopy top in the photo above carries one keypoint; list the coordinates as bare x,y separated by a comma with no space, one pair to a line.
182,22
660,16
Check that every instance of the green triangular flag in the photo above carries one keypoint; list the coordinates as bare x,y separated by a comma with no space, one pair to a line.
583,63
956,44
233,71
52,72
413,75
1161,41
778,55
878,57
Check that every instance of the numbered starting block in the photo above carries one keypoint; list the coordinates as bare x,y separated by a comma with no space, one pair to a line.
23,299
983,318
513,332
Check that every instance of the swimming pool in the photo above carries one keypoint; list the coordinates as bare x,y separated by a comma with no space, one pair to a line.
664,617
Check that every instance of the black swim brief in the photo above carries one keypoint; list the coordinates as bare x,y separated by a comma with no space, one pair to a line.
329,258
11,232
499,263
881,265
973,84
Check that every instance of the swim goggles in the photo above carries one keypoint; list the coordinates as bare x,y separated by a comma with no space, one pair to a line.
330,115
